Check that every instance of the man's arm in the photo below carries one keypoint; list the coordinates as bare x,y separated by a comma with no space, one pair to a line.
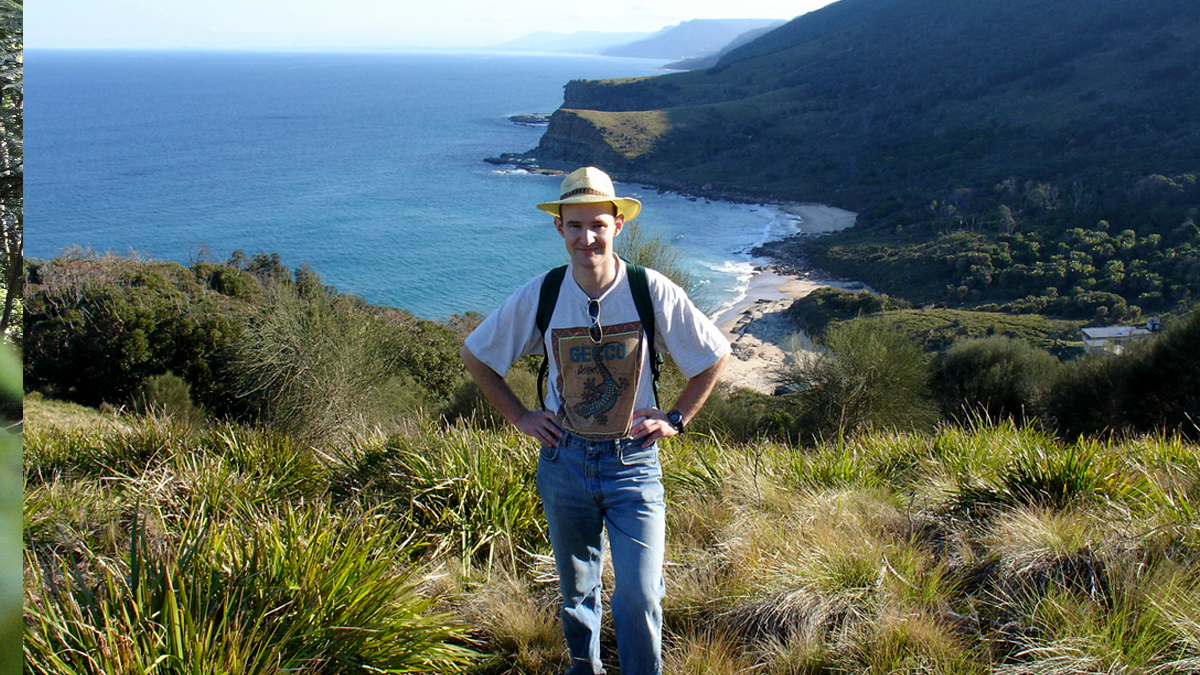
691,399
539,424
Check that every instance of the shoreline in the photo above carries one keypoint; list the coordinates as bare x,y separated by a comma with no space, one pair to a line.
756,324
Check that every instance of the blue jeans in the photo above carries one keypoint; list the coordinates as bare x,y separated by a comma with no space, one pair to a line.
586,486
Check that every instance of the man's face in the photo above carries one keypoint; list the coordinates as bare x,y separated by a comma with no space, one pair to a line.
589,231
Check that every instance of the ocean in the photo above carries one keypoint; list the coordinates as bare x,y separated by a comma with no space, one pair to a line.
368,167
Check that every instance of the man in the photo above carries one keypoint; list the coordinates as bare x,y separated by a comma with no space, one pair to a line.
598,467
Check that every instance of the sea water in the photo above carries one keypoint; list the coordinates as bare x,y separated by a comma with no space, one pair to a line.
367,167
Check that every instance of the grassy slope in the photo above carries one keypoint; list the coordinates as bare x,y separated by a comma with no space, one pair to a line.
993,551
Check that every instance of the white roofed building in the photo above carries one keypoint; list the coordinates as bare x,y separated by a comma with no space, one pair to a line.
1115,339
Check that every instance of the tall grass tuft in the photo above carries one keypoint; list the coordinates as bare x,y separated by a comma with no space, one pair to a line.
474,490
307,591
519,620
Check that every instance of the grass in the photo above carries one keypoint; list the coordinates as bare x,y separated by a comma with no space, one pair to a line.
156,547
630,134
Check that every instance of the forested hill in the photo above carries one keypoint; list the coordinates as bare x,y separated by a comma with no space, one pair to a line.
886,106
865,95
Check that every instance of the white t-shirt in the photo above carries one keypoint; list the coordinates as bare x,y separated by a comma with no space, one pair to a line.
599,385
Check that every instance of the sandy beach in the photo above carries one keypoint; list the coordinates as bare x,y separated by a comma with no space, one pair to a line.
756,325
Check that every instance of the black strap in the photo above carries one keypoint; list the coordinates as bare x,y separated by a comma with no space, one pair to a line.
638,286
547,299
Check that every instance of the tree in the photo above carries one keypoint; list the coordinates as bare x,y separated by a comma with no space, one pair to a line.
12,167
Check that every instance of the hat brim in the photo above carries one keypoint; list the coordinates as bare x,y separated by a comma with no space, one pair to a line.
627,207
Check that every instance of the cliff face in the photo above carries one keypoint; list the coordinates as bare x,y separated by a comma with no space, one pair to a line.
615,140
574,139
634,93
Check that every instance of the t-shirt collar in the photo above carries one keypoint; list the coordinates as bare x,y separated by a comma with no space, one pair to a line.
616,282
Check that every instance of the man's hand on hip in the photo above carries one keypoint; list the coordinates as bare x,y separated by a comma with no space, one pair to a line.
541,425
653,427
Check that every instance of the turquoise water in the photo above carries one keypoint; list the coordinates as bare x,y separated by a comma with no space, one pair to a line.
367,167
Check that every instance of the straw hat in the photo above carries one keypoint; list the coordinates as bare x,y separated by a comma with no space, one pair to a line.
590,185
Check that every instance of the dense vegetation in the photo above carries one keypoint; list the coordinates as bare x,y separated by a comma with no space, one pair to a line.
1028,157
250,340
281,477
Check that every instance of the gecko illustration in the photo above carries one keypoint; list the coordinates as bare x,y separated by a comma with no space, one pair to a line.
599,398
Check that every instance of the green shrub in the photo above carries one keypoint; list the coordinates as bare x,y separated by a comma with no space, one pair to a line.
742,415
815,311
997,377
168,395
468,403
321,369
98,327
865,378
642,249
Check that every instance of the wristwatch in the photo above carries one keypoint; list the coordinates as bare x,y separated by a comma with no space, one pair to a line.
676,419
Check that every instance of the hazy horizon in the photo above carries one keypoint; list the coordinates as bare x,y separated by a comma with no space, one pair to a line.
359,25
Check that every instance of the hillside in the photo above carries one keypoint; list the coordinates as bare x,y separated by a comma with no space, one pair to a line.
914,112
919,92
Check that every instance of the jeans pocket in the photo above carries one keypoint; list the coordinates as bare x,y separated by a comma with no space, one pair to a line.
634,454
548,453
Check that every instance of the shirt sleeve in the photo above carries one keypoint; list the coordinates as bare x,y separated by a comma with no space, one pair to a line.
510,332
691,338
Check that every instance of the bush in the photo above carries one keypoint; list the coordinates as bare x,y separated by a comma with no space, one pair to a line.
997,377
468,402
246,338
321,369
167,395
865,378
650,251
97,327
815,311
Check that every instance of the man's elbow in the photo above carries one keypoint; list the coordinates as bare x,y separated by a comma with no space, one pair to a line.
719,366
478,369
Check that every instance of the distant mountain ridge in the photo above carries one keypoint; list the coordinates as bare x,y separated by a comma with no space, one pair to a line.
710,60
583,42
690,39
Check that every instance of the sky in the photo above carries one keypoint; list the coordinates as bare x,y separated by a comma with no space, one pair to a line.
360,24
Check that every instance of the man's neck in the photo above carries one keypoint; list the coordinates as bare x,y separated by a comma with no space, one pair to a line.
595,280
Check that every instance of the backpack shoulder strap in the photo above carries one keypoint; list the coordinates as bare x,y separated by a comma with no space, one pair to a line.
547,299
640,287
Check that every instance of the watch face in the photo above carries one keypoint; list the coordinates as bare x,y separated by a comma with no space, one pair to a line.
675,418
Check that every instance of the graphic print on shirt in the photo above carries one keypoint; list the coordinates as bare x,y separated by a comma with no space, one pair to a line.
598,381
